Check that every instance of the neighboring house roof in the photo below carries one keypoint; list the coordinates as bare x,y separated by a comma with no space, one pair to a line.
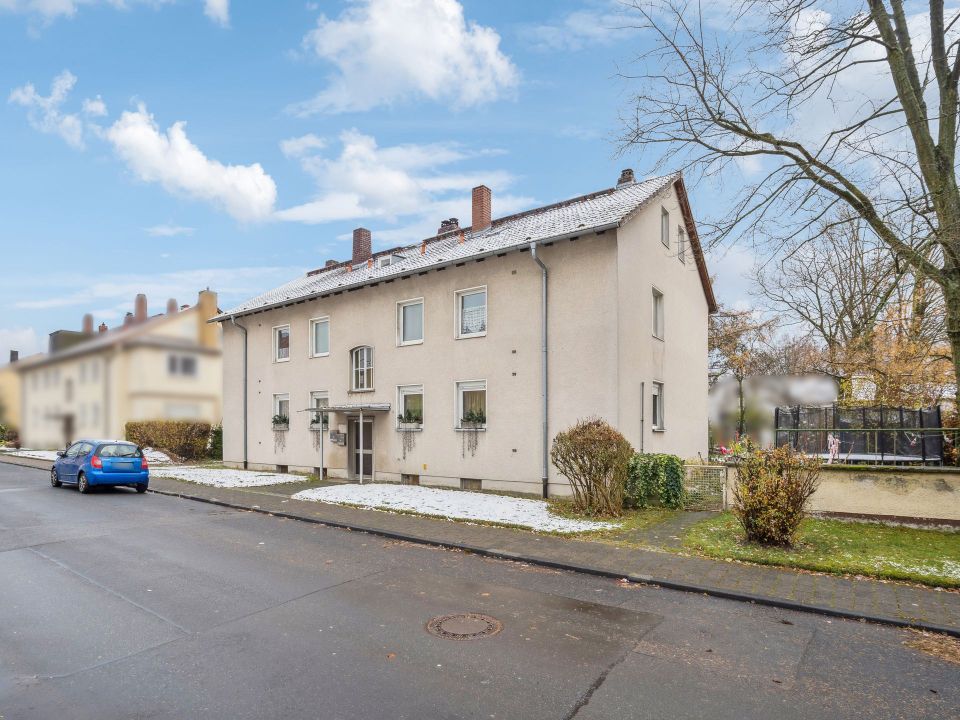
603,210
134,335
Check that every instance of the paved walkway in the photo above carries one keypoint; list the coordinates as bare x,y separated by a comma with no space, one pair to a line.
877,601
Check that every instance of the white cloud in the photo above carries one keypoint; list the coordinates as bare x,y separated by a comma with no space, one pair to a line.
49,10
599,23
45,114
169,158
402,181
218,11
95,108
168,230
298,146
386,51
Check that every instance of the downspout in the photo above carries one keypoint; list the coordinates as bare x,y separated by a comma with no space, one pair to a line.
233,321
544,390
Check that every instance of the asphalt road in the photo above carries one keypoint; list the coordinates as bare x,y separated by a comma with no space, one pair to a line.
118,605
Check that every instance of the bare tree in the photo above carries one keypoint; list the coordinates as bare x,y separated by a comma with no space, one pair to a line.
781,87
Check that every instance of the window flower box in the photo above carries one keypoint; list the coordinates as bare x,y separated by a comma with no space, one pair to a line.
280,423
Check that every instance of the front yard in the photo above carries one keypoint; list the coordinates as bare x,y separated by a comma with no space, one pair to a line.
930,557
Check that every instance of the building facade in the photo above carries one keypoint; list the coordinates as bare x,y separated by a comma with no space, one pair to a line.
429,364
164,367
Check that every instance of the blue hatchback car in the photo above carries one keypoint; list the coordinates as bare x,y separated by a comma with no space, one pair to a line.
101,462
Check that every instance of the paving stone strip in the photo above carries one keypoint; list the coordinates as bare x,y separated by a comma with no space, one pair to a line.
889,603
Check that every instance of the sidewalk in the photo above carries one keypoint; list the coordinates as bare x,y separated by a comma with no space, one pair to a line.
875,601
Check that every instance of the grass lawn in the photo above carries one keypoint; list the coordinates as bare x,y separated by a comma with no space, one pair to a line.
931,557
631,522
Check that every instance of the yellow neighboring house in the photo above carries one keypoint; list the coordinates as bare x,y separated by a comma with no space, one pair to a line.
10,394
164,367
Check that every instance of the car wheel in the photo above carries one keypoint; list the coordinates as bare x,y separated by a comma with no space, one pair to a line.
54,480
83,485
141,487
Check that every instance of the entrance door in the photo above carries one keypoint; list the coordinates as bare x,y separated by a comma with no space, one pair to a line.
362,457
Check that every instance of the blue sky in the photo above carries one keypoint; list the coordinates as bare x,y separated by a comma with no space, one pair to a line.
167,146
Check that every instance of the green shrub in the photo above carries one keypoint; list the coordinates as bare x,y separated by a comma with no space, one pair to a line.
184,439
655,479
593,456
215,450
771,493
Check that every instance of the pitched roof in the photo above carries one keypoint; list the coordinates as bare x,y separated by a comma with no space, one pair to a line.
597,211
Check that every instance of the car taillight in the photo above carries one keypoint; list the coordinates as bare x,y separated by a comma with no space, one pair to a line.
143,463
96,462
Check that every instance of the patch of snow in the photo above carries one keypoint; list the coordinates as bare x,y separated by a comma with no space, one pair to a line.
157,457
943,568
225,477
154,457
452,504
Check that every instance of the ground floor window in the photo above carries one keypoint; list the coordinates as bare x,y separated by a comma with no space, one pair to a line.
657,406
410,404
319,399
281,409
472,403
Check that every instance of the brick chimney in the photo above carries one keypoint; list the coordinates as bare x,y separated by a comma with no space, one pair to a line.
14,356
626,178
331,263
361,246
448,225
208,333
88,324
481,208
140,308
172,306
102,328
128,319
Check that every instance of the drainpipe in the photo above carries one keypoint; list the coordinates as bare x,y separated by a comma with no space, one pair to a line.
544,391
241,328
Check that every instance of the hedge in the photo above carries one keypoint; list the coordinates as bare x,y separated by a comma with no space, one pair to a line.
188,440
654,479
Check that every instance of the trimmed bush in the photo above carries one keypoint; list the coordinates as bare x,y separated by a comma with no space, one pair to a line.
216,442
655,479
184,439
593,456
771,493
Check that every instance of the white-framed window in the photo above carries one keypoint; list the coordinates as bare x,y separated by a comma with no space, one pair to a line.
319,399
656,406
410,322
83,373
657,314
472,312
281,343
361,368
320,337
681,243
281,405
410,404
665,227
472,403
94,370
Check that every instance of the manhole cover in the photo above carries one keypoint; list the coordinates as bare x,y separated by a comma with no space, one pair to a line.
464,626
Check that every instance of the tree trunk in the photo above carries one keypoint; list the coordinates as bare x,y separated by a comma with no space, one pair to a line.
740,417
951,297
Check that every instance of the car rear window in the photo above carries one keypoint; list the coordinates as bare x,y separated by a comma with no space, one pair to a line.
119,451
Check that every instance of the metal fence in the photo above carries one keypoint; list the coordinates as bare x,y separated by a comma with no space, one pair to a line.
705,486
873,435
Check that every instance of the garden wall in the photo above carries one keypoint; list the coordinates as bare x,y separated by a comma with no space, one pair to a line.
907,493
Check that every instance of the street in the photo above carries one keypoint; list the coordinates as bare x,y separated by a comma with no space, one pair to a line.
118,605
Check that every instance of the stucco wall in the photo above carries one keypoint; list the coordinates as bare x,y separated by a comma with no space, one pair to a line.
922,493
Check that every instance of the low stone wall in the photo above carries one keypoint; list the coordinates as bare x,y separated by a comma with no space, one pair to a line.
923,494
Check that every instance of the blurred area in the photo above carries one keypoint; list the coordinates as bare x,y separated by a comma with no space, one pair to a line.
761,395
93,380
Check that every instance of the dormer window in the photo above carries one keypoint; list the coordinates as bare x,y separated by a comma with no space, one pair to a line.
361,368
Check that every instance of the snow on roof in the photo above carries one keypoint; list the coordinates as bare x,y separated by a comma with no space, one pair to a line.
600,210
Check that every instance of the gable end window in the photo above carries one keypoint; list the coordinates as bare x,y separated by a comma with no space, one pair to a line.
665,227
657,314
472,312
320,337
361,368
410,322
681,244
657,406
281,343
